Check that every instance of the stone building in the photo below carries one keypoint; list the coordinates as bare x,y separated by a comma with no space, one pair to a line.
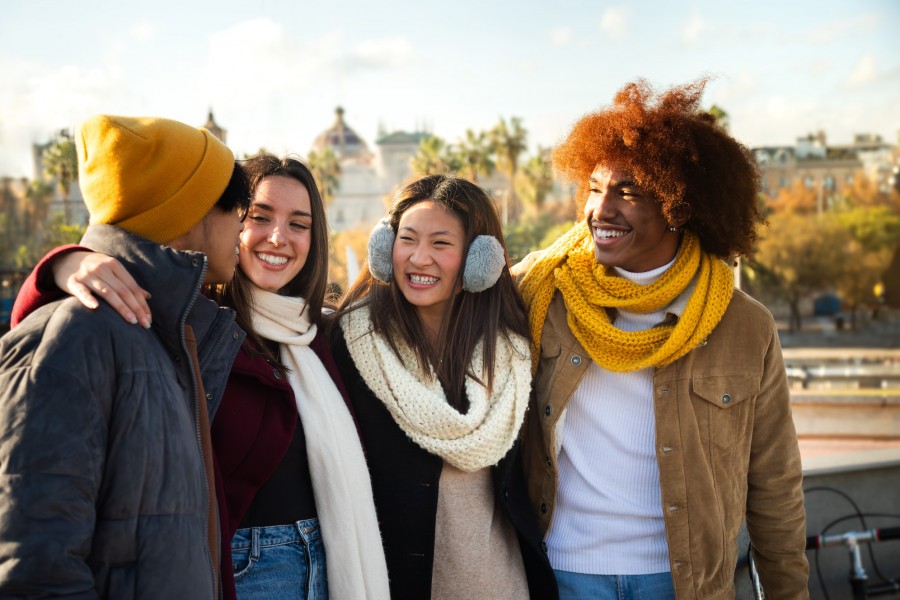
827,169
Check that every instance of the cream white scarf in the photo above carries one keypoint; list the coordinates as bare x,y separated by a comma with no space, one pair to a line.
341,485
415,399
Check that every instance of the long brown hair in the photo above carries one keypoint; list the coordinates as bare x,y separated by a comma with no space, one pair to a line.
471,316
312,279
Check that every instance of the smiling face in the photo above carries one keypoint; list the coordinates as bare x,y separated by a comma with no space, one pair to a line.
427,257
276,238
627,223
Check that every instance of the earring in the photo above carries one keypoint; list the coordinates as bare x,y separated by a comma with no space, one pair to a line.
484,260
672,229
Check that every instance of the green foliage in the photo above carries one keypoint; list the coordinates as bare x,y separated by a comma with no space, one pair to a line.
876,228
434,157
326,170
804,254
533,234
535,180
476,155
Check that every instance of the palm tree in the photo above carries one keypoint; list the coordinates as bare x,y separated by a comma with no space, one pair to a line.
38,194
475,156
60,163
536,179
508,142
433,158
326,170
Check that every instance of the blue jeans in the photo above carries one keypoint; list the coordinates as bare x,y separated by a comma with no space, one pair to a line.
580,586
280,562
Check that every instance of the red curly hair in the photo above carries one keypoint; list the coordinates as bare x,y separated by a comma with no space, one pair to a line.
674,150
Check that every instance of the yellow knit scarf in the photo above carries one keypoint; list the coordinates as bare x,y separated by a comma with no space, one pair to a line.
569,266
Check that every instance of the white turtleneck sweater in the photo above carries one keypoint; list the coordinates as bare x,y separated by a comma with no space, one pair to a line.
608,518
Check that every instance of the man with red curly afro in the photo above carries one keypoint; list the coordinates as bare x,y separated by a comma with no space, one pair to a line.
662,416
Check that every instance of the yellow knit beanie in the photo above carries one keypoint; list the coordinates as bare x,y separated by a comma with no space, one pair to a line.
155,178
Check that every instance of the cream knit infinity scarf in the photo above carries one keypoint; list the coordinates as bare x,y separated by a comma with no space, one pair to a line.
415,399
343,491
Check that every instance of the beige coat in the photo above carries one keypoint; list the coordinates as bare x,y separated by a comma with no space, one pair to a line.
725,443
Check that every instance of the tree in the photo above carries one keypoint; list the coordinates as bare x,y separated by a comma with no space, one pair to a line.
508,142
433,158
475,154
535,180
326,170
796,199
61,163
718,113
804,254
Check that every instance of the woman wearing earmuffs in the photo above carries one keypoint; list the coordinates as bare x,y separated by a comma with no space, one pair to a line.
432,344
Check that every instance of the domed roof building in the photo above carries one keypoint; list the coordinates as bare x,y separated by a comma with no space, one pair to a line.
367,178
343,140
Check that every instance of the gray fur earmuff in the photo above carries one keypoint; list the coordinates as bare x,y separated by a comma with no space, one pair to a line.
381,247
484,261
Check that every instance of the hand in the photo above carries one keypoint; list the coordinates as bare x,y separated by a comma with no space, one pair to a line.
83,274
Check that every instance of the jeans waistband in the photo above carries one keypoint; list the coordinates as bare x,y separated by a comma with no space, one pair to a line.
305,531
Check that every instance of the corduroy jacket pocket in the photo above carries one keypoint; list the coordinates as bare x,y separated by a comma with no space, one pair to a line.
723,405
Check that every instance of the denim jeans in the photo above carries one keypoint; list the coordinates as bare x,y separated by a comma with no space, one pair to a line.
580,586
280,562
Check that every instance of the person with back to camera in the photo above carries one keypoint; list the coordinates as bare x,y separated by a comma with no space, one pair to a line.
105,457
298,520
662,415
432,344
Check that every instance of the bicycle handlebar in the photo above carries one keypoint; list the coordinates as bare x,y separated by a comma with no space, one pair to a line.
852,537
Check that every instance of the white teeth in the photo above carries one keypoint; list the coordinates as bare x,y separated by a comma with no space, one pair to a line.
423,280
237,250
276,261
605,234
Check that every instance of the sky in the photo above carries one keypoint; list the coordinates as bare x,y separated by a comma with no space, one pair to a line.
273,71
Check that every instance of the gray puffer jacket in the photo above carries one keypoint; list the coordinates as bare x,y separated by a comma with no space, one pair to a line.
103,485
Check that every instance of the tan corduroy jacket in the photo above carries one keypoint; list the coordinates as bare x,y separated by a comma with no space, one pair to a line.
725,444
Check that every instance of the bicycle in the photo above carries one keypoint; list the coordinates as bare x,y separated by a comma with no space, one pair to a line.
858,578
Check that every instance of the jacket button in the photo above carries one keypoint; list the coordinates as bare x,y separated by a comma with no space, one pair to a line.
208,396
549,462
235,335
726,398
544,547
196,262
673,508
667,449
576,360
277,374
544,507
664,390
505,494
548,410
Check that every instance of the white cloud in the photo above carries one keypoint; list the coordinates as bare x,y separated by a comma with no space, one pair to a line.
864,72
560,36
693,30
614,21
734,90
388,53
830,33
144,32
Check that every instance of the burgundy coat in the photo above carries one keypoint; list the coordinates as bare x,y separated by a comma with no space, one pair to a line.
251,429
